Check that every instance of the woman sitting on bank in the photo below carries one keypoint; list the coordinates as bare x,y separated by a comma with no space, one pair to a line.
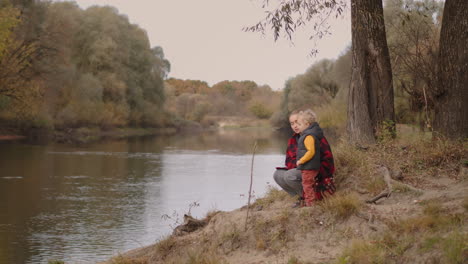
289,178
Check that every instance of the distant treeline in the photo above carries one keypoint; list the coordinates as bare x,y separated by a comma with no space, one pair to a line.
196,101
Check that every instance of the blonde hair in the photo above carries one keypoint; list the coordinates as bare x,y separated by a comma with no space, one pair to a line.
294,112
308,116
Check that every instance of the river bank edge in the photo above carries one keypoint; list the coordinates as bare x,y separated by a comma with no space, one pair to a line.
81,135
397,202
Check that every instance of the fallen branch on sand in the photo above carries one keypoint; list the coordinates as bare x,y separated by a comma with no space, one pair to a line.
379,196
388,191
190,224
411,188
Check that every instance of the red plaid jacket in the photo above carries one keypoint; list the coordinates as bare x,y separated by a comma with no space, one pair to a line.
291,152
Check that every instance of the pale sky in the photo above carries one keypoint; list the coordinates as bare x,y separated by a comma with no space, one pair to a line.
203,40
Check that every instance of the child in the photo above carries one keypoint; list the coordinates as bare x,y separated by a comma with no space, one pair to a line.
308,152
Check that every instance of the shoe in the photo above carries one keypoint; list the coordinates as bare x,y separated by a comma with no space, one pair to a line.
299,203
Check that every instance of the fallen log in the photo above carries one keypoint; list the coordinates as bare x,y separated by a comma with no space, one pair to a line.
378,197
190,225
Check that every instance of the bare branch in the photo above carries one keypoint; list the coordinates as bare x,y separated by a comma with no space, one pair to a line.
292,14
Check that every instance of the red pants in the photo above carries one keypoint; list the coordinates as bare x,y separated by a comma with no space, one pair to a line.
308,180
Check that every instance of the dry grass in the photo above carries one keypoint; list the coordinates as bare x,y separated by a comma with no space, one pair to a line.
455,248
395,244
282,233
434,218
415,158
195,256
272,195
175,250
202,257
342,205
261,233
230,240
165,246
333,116
274,232
428,156
210,214
296,260
125,260
352,165
362,252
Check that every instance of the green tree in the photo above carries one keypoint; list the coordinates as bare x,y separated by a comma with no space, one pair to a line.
260,110
315,87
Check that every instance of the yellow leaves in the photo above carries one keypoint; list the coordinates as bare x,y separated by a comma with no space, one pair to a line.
26,105
19,92
16,56
16,68
9,19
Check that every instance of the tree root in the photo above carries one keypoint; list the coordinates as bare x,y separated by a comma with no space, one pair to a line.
388,191
378,197
414,189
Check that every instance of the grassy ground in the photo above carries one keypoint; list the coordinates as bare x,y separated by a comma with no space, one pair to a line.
424,220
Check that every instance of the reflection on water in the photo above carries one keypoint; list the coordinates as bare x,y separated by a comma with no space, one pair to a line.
82,204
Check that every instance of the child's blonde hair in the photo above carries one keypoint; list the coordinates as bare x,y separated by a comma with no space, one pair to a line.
308,116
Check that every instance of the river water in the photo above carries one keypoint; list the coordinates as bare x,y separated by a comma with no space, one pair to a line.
86,203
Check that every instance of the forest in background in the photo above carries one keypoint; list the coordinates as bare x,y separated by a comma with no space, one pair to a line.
63,67
413,29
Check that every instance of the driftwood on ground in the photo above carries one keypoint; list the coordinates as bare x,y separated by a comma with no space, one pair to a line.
190,224
388,180
388,191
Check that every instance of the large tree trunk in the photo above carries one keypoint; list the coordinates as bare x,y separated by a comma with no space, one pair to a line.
451,106
370,99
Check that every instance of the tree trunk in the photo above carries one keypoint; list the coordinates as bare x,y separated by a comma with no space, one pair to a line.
451,96
370,99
